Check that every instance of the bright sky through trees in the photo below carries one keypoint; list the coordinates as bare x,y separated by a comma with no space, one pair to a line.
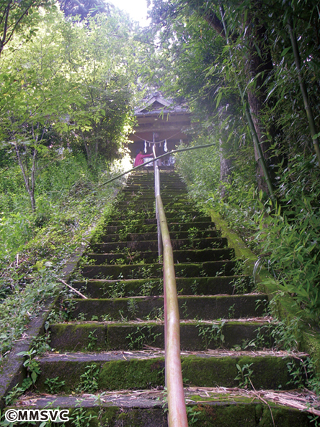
137,9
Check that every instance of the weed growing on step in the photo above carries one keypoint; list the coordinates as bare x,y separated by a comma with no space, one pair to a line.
146,271
304,374
203,273
141,336
244,375
132,307
13,395
286,334
220,272
85,260
157,313
54,385
79,417
115,290
263,338
195,287
89,380
184,309
193,415
92,340
151,287
192,234
215,245
211,334
33,371
106,318
242,285
41,343
81,317
262,303
231,311
32,366
123,318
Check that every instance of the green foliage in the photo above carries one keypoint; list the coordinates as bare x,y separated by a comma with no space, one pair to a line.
89,379
295,258
211,334
141,336
31,265
80,417
198,64
244,375
92,340
54,385
199,170
193,415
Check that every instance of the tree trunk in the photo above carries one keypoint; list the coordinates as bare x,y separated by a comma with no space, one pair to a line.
30,190
258,67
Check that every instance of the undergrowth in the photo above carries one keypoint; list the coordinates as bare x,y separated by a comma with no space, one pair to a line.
69,203
284,234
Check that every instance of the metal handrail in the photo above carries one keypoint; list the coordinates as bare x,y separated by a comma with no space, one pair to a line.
177,416
157,193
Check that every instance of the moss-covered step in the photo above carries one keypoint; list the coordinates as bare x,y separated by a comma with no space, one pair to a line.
166,200
200,335
185,286
152,245
204,234
114,371
140,228
136,271
138,255
190,223
147,228
190,307
153,236
147,408
182,215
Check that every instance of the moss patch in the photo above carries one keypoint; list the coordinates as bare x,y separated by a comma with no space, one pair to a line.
136,374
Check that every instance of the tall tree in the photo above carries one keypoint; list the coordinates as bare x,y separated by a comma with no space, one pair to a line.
72,80
19,16
242,28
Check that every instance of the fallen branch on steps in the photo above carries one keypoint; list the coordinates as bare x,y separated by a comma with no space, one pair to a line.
74,290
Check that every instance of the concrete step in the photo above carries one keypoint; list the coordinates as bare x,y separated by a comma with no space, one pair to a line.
151,307
185,286
174,235
219,407
135,256
144,370
182,216
144,271
183,220
194,335
151,226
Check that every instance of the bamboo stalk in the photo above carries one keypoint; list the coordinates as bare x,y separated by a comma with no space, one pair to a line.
303,89
250,121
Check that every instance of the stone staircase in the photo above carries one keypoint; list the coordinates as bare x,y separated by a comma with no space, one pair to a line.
107,358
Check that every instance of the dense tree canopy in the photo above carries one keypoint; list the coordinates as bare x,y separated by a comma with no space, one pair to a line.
241,55
71,84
